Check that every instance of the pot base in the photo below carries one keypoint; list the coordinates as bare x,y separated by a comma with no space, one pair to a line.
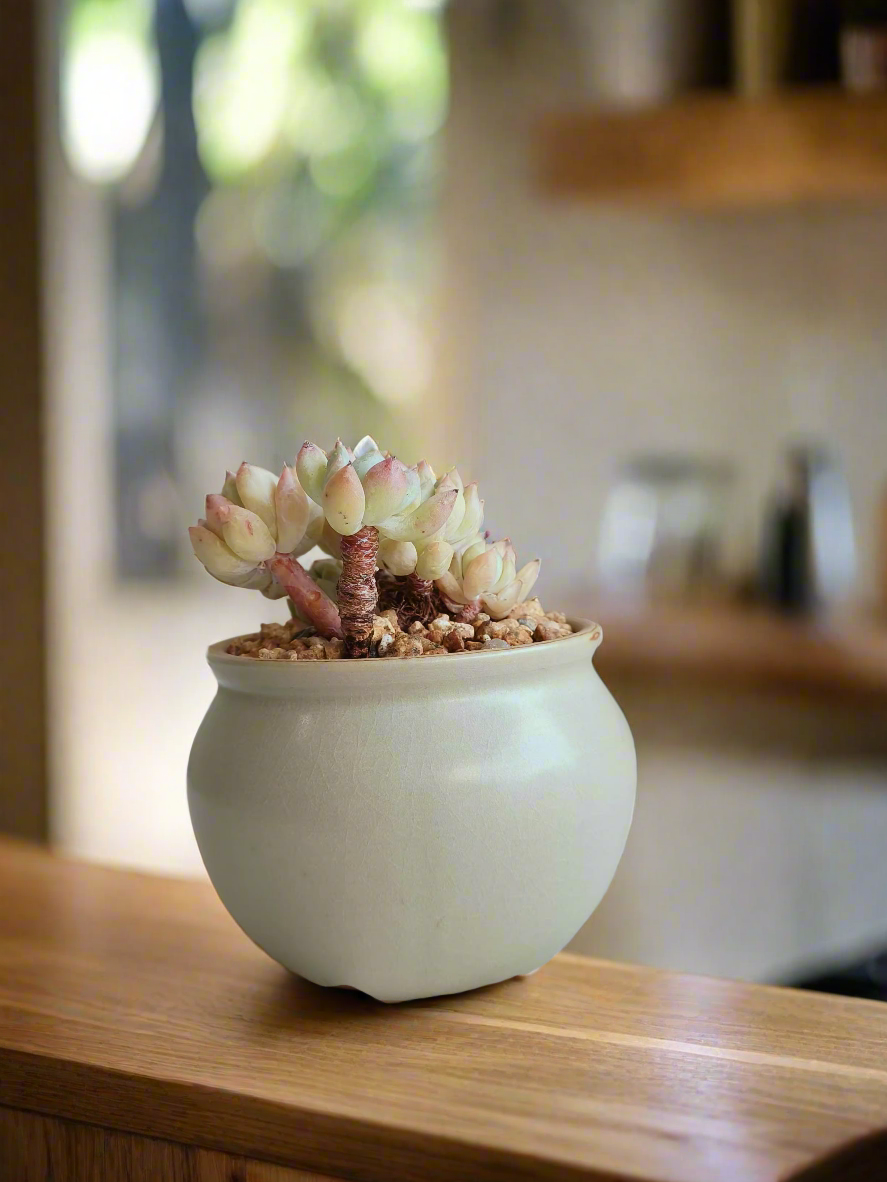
398,1001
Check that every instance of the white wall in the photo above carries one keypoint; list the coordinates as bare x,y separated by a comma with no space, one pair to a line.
593,333
585,334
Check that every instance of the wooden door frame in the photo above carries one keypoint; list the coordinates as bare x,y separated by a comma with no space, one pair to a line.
23,729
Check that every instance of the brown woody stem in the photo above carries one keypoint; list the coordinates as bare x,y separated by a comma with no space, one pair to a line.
357,592
420,586
421,593
312,603
466,612
411,597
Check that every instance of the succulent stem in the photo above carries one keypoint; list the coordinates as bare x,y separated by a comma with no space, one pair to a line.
466,612
411,597
357,591
310,601
421,591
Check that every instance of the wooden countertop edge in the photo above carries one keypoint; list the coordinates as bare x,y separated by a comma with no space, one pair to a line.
340,1120
187,1112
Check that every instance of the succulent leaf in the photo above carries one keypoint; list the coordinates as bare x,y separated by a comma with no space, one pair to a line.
311,465
221,562
244,532
427,479
399,558
229,489
423,522
293,511
481,573
365,447
527,576
434,560
256,488
386,486
338,458
344,500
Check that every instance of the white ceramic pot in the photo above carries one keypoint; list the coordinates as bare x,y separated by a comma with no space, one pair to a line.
413,827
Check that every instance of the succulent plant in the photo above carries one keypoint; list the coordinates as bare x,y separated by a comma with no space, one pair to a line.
429,557
366,509
361,488
483,575
253,534
367,497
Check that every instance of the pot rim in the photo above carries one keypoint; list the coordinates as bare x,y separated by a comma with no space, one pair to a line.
285,677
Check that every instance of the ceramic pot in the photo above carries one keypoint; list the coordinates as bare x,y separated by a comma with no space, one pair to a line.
418,826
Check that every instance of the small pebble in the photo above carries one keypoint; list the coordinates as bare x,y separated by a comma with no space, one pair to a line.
497,629
532,608
382,626
550,630
524,624
405,646
385,644
519,637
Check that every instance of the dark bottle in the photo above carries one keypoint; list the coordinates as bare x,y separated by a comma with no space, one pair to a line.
808,558
785,581
813,56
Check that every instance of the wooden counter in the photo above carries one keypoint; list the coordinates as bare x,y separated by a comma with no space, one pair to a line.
143,1037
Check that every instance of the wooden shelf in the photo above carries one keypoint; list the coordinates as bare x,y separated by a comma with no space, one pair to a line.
718,150
143,1036
742,648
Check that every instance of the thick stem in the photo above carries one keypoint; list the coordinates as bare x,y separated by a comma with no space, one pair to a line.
466,612
421,593
311,602
419,586
411,597
357,592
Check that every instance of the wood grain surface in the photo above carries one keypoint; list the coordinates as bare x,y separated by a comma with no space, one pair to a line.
135,1004
37,1148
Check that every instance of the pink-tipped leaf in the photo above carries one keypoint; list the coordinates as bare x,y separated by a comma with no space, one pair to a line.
344,501
293,510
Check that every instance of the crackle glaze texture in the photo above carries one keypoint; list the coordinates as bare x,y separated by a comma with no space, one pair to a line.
413,827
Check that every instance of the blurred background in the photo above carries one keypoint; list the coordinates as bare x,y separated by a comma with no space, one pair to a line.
625,261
